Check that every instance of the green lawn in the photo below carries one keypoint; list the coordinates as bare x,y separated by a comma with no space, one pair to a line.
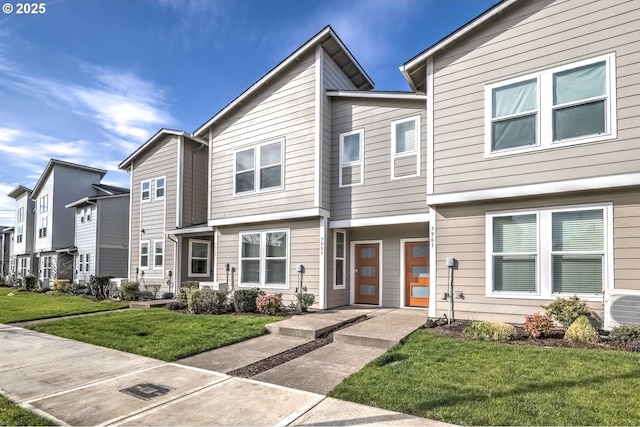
484,383
13,415
20,306
159,333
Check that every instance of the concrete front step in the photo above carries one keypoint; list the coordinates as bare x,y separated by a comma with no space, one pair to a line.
313,325
383,331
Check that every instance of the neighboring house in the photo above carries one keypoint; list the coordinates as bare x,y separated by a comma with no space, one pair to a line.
60,184
170,241
101,233
315,179
534,159
22,260
5,249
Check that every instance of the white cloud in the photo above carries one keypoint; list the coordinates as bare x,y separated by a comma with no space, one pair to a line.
7,206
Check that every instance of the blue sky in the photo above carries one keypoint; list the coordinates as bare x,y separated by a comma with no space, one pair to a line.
88,81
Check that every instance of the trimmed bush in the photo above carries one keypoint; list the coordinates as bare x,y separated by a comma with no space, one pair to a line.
625,333
30,282
130,291
581,331
268,304
490,331
538,325
61,286
566,310
191,284
206,301
244,300
101,288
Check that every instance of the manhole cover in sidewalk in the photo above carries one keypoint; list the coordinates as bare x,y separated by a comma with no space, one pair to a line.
146,391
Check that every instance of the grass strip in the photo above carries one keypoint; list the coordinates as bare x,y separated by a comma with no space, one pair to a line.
14,415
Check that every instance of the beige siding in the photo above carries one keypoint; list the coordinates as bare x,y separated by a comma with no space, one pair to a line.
155,216
533,36
194,183
334,78
392,267
460,233
284,109
304,249
379,195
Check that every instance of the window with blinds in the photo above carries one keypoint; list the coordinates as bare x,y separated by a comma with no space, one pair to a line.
515,253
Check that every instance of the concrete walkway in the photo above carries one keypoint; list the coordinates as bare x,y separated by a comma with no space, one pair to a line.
76,383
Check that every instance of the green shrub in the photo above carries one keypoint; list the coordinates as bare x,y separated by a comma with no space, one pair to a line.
581,331
244,300
77,288
130,291
101,288
625,333
30,282
490,331
269,304
61,286
566,310
206,301
304,299
538,325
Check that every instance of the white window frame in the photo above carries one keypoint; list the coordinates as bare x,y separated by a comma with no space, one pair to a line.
148,255
80,262
263,258
336,258
544,128
412,153
47,269
155,253
20,215
163,187
147,191
191,258
24,267
257,167
359,162
43,203
88,214
42,231
544,279
82,218
87,262
19,234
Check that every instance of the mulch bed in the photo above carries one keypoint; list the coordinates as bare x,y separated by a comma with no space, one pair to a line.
554,339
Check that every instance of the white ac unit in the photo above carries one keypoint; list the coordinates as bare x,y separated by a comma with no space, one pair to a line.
214,286
621,307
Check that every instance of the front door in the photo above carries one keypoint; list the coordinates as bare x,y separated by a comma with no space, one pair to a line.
416,274
367,274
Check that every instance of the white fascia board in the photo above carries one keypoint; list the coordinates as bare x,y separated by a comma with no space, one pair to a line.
378,95
599,183
305,213
385,220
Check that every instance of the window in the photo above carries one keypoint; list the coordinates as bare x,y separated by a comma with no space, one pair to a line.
144,254
81,211
405,146
20,215
46,267
268,174
264,259
44,203
548,252
339,260
160,184
88,214
351,158
145,190
565,105
86,263
24,266
199,258
81,262
19,234
158,254
42,231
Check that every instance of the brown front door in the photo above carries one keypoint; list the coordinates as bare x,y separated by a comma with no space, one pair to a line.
416,274
367,274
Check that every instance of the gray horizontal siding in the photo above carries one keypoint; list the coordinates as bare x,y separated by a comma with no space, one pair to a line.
530,37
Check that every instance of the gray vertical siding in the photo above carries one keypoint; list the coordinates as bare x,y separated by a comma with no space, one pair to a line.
379,195
85,241
113,240
184,259
194,183
528,37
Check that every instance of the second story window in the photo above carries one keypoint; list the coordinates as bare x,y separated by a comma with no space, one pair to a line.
20,215
405,143
44,203
351,158
259,168
571,104
19,234
42,231
145,190
160,186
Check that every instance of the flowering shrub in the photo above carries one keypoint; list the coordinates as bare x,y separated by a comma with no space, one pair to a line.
490,331
581,331
538,325
268,304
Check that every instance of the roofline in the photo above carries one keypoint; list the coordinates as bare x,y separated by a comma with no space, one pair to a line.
99,187
378,95
275,70
158,134
460,32
54,162
19,190
190,230
91,200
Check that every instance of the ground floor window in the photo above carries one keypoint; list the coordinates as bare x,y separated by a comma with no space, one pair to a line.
264,258
144,254
24,267
548,252
199,258
47,267
339,260
158,254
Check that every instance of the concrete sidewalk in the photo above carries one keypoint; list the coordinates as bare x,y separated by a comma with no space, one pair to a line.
76,383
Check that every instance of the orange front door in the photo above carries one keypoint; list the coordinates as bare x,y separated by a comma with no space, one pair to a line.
416,274
367,274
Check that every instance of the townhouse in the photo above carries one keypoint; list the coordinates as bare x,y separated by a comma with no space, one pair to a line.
5,250
21,259
533,159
